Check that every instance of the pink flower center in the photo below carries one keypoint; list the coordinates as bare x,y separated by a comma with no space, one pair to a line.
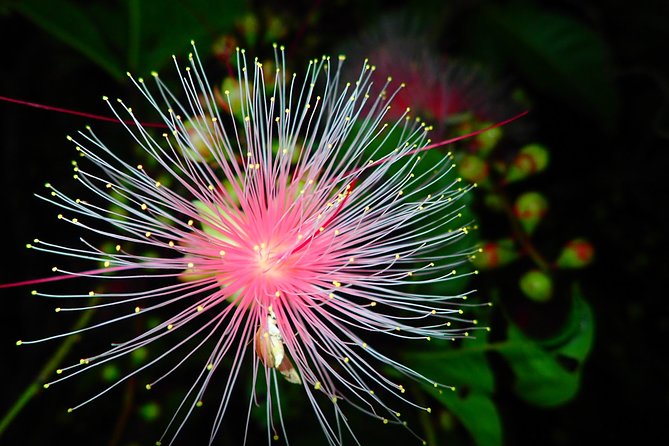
270,260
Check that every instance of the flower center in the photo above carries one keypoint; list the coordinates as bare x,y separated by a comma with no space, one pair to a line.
269,262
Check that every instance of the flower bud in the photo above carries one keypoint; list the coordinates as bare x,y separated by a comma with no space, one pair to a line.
530,209
577,253
495,254
275,29
149,411
110,373
536,285
487,141
531,159
249,27
201,139
493,202
230,99
473,169
224,48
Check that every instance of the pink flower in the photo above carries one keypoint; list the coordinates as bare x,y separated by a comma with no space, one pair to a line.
292,237
440,87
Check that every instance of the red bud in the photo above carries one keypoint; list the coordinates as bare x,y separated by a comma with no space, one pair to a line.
576,253
531,159
473,169
530,209
495,254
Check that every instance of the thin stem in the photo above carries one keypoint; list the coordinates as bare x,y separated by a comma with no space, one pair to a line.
51,364
78,113
124,414
520,235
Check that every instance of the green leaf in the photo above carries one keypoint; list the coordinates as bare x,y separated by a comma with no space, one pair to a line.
164,29
558,55
142,36
477,412
71,25
467,369
542,378
466,366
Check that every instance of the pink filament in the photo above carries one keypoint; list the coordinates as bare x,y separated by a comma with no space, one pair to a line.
348,192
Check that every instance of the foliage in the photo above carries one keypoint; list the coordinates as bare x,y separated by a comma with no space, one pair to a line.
541,377
558,56
136,35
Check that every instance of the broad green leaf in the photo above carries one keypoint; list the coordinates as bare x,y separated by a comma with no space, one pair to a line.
468,370
139,35
477,412
70,24
541,376
463,207
465,366
430,179
162,29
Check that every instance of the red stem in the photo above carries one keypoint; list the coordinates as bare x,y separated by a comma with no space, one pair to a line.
348,191
78,113
63,277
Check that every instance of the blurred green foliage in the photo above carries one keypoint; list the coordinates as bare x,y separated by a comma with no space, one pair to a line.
467,369
134,35
555,54
547,371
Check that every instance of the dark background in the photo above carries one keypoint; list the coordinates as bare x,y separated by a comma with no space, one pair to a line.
607,184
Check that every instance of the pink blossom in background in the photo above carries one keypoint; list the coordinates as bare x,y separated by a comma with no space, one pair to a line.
440,87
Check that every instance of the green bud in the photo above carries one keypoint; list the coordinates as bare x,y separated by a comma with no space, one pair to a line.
138,356
531,159
149,411
473,169
495,254
487,141
249,26
201,133
231,100
110,373
275,29
577,253
536,285
530,208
